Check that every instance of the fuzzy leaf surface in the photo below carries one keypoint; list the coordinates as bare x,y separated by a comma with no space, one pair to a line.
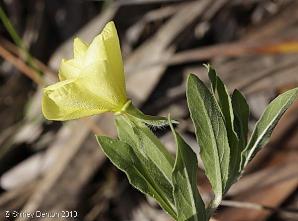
241,113
267,123
224,101
142,139
140,170
211,135
189,204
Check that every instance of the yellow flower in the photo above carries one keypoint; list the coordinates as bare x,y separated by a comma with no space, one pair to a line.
90,83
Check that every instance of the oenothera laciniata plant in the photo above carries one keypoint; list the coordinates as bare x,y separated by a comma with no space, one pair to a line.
93,82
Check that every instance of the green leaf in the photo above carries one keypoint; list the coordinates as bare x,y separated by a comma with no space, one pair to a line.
159,161
224,101
141,172
150,120
241,113
211,135
188,201
267,123
141,138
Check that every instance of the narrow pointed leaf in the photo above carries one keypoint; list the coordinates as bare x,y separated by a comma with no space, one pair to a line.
267,123
241,113
141,172
139,137
189,204
224,101
211,135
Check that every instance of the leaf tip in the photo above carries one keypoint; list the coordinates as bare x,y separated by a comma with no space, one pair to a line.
191,78
207,65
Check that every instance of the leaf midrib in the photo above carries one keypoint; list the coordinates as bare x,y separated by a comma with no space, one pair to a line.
214,144
259,139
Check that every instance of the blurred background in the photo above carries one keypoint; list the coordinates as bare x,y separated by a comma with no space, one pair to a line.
52,167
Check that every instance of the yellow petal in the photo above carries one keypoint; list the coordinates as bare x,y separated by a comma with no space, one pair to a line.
96,51
69,69
92,82
68,100
79,48
114,58
106,47
98,78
